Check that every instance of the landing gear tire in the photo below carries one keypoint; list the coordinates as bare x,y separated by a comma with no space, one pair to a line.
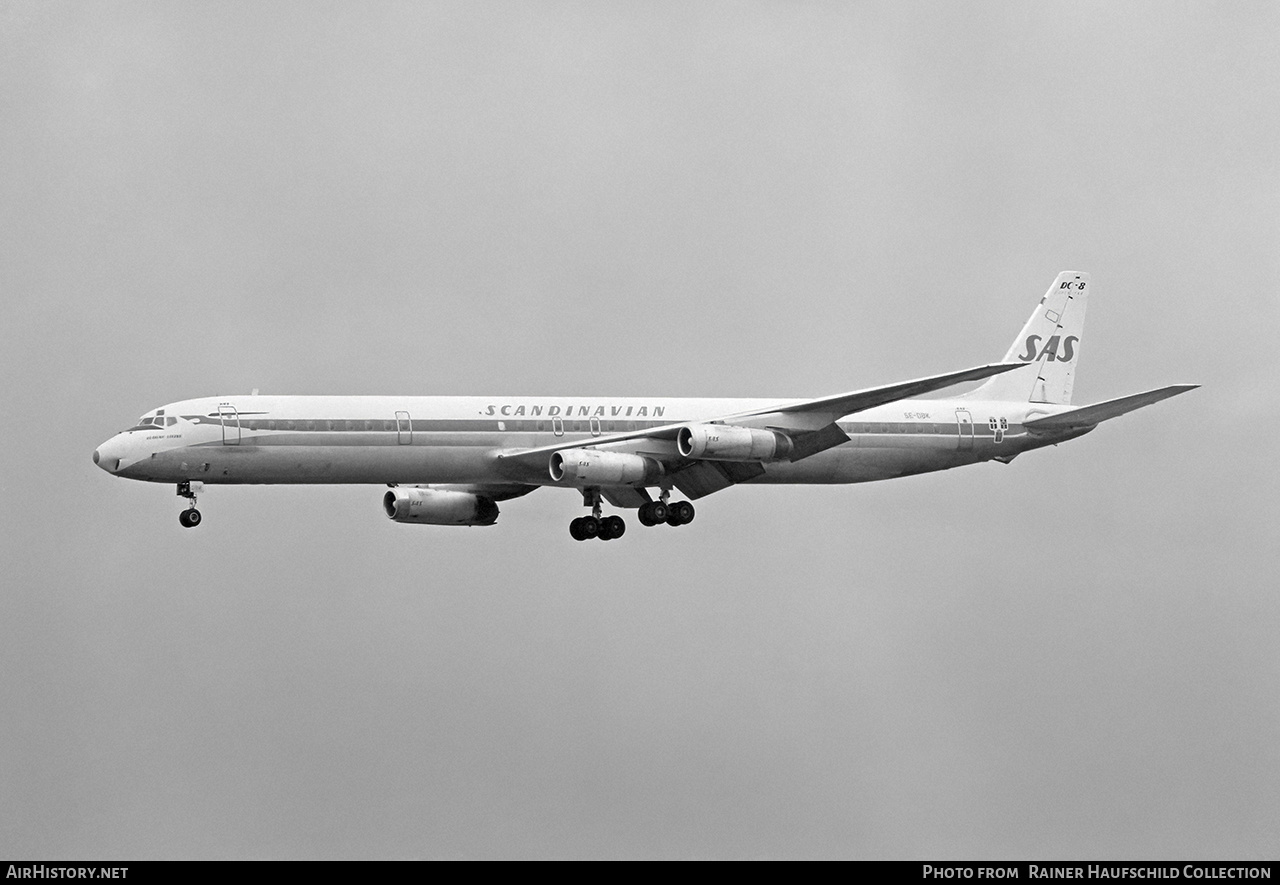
189,518
612,527
584,527
653,513
680,513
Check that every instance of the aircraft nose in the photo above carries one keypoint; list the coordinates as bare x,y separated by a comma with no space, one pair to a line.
104,458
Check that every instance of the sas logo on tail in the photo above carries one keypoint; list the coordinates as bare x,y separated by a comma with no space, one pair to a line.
1050,349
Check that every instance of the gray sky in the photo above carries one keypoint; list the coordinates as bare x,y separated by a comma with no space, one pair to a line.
1071,656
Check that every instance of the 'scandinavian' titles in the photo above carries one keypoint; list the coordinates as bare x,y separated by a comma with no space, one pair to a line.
534,411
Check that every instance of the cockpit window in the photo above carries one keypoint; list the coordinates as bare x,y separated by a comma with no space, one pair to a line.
150,422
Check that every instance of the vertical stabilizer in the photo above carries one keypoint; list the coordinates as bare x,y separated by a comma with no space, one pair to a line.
1050,340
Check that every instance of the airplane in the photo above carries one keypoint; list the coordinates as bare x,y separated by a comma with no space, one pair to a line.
449,460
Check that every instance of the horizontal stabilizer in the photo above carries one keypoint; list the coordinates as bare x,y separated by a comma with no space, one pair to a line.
1089,416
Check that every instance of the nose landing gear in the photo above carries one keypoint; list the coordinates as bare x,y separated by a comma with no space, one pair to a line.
189,518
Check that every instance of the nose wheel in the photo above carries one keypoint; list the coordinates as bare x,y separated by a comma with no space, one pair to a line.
189,518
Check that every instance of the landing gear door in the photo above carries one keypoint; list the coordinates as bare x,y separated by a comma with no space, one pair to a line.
964,425
230,421
404,429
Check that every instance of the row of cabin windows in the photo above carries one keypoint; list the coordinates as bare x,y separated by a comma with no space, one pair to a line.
537,426
526,426
577,426
426,426
896,427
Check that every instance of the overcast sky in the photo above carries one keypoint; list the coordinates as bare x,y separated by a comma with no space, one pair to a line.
1074,655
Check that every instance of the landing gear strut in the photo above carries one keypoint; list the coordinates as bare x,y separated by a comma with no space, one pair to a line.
189,518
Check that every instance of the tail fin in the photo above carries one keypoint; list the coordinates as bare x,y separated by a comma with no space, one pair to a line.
1050,340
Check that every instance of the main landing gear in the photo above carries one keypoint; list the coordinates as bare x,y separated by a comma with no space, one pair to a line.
606,528
662,510
189,518
658,512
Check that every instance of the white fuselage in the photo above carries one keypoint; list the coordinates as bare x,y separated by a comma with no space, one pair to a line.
424,440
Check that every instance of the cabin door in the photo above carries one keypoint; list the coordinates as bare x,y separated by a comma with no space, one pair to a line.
230,420
964,425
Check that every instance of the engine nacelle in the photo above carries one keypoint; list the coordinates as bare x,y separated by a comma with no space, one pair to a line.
439,507
721,442
588,467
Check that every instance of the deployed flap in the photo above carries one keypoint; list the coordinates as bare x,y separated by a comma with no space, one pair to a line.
819,441
625,496
701,478
1088,416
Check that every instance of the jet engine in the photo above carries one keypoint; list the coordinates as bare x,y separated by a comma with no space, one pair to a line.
720,442
589,467
439,507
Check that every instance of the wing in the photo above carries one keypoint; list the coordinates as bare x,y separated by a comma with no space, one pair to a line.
810,424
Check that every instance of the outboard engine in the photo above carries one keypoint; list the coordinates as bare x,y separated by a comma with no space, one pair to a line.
721,442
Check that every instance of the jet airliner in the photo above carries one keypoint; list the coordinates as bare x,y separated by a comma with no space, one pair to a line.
449,460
